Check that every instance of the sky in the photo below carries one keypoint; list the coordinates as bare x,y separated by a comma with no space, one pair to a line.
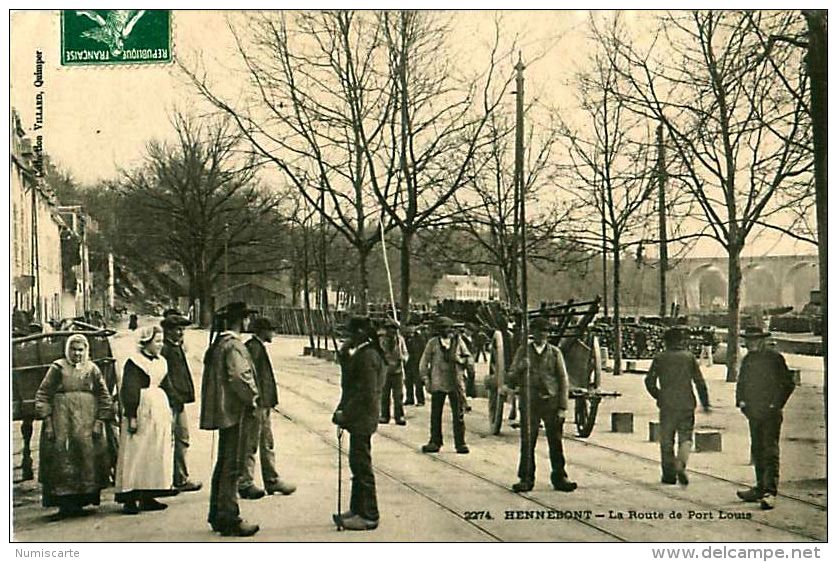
99,119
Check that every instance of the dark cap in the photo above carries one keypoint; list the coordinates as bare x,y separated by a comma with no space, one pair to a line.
675,335
172,312
751,332
261,324
444,323
539,325
359,325
172,320
235,310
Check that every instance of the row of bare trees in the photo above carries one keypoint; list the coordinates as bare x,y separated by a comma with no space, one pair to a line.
363,116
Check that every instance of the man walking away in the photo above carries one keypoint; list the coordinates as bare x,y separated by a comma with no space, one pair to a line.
180,389
228,396
363,370
258,431
395,354
550,388
442,368
764,386
669,381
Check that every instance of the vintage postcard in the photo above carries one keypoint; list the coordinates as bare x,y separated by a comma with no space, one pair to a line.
419,276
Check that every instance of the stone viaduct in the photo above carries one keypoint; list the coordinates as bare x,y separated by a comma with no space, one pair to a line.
768,281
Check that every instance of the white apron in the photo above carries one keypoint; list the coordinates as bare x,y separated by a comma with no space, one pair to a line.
146,458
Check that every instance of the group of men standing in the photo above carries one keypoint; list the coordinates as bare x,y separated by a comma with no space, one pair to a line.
239,391
237,395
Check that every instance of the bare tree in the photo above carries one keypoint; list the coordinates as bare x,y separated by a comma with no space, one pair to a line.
487,208
317,108
610,175
737,131
438,126
198,204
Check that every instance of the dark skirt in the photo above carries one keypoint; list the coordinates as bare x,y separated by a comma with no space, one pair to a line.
74,464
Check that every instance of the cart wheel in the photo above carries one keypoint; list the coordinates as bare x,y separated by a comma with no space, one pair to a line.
586,409
496,396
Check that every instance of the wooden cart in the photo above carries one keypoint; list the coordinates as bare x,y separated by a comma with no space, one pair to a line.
570,331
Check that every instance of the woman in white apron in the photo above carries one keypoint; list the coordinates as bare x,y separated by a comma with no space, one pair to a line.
146,449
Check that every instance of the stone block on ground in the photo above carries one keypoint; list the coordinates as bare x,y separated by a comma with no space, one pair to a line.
707,441
654,431
622,422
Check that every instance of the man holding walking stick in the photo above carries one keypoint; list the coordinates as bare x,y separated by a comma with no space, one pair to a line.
363,370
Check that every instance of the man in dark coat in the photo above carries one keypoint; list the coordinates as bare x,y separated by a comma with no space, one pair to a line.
363,370
416,341
669,381
229,395
258,431
550,394
764,386
180,389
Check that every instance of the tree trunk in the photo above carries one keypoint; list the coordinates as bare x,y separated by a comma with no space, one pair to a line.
817,61
617,320
205,296
363,279
734,311
406,250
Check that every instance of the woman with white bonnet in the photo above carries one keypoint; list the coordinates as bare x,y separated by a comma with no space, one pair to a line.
73,401
146,448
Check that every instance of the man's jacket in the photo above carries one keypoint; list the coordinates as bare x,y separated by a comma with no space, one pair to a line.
363,371
229,387
442,369
670,380
764,383
178,383
265,380
547,373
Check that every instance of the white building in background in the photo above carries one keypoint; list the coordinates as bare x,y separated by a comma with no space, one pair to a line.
466,288
36,232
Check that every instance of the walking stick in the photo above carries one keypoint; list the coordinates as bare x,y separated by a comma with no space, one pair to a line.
338,520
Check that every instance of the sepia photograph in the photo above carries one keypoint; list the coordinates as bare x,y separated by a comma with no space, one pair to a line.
419,276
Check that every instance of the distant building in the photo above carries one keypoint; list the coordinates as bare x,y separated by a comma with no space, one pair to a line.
36,232
77,280
260,294
466,288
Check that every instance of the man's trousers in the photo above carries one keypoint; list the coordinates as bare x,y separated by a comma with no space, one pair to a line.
364,500
680,423
223,499
545,409
258,434
437,403
764,450
393,390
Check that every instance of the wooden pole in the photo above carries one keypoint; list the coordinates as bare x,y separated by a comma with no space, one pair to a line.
661,178
520,189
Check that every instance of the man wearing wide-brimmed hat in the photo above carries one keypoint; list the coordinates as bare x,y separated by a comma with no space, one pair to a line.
228,395
180,389
363,369
764,386
669,381
258,431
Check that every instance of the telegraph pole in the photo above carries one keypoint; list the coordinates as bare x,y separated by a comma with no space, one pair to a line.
661,179
525,398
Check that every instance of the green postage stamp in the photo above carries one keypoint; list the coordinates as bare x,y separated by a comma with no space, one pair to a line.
100,37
